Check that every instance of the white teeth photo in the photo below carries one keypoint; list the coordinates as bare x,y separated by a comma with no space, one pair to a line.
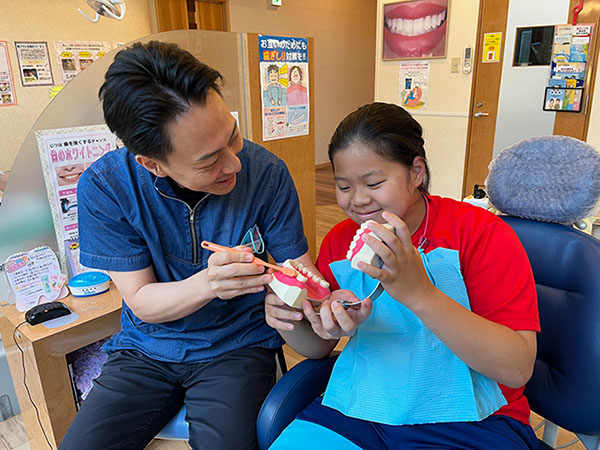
415,27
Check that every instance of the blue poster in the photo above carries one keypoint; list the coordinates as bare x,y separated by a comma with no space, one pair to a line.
284,85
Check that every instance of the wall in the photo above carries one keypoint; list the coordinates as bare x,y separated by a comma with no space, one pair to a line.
593,136
522,89
344,45
54,20
446,118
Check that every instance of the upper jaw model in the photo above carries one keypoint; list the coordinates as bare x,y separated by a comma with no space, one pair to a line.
305,285
360,251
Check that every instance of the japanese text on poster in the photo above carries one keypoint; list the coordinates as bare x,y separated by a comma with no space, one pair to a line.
492,44
285,86
7,85
34,63
414,84
65,154
35,277
73,57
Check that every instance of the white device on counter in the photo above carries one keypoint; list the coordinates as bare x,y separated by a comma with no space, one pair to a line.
89,283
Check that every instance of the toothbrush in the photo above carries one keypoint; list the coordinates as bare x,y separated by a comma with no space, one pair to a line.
221,248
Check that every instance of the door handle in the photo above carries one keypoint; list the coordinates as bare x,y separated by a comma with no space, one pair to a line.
481,114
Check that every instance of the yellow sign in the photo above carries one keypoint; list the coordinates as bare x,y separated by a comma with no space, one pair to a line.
492,43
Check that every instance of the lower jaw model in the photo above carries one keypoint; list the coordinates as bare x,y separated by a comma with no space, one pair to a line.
304,286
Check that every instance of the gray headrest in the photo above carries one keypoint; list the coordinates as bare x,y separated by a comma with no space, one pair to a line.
549,178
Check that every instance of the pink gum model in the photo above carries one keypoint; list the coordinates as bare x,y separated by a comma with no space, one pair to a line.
294,290
359,250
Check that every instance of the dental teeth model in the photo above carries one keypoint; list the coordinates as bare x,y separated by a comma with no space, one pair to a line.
360,251
294,290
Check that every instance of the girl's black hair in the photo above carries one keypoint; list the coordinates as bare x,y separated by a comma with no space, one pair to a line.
146,87
388,129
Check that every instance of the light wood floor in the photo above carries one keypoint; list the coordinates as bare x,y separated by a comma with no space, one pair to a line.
12,432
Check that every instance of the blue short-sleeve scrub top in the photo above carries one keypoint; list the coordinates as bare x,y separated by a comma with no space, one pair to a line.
129,219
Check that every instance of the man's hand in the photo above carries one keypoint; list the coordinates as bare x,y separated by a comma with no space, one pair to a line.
279,315
231,274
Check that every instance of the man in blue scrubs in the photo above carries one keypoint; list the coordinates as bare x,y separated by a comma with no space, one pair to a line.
192,327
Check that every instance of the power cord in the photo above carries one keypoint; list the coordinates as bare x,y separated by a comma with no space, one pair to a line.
37,412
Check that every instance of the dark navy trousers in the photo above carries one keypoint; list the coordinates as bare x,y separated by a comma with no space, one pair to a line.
135,397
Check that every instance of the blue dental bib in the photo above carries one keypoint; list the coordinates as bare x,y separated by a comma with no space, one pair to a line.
395,371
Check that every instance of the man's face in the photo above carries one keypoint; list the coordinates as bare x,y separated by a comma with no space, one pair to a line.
205,141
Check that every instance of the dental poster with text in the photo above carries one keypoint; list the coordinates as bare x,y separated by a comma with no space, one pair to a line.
284,85
65,154
73,57
7,84
414,84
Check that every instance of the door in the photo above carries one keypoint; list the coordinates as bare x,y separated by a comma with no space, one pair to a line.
506,100
212,15
484,94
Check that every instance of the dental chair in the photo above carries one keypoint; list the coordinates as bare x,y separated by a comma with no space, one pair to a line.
542,186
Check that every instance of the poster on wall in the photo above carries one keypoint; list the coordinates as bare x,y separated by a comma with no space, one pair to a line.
414,84
492,44
73,57
284,85
7,84
415,29
65,154
34,63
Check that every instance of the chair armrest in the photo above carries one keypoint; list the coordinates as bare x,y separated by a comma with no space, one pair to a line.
290,395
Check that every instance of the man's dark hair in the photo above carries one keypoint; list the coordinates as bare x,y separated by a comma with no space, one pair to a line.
146,87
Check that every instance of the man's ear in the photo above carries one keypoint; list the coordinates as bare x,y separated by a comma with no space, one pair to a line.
151,165
417,171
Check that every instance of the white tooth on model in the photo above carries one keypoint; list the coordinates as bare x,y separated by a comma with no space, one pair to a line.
324,284
349,254
301,279
316,279
363,225
288,263
352,245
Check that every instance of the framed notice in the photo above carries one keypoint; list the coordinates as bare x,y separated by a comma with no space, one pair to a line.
415,29
34,63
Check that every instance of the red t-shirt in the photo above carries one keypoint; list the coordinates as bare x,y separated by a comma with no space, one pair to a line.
494,266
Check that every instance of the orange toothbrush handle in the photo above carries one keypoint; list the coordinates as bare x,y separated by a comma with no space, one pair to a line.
221,248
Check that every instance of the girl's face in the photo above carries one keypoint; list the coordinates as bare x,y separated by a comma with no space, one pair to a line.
367,185
295,76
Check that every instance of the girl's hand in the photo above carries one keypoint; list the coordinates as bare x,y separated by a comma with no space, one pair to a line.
333,320
279,315
402,275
